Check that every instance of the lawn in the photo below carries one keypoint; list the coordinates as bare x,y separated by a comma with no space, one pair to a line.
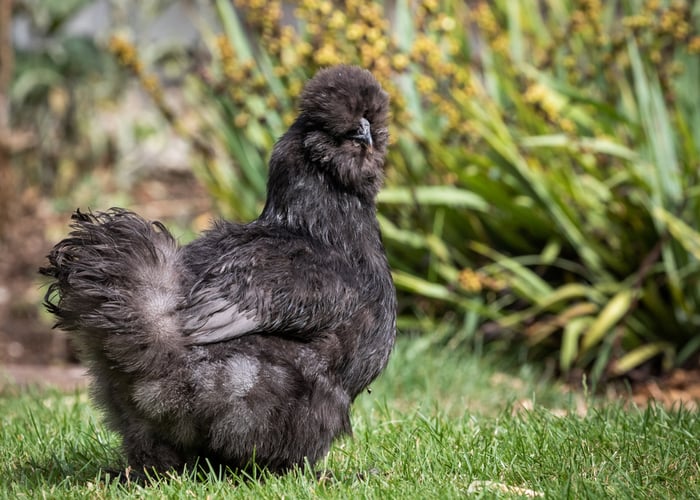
435,425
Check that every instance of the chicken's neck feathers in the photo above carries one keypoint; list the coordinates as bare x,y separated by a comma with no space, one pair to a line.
302,199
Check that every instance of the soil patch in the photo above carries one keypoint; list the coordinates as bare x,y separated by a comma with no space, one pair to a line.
26,335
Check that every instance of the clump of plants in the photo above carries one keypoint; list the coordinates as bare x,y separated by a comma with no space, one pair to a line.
543,181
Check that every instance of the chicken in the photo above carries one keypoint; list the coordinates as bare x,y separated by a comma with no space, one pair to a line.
248,345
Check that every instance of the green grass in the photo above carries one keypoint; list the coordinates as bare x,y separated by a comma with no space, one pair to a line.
434,426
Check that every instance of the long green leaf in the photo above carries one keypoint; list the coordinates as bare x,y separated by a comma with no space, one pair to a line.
534,287
637,356
613,311
447,196
688,237
570,341
666,183
234,29
410,283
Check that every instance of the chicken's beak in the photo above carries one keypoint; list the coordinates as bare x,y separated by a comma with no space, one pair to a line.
364,133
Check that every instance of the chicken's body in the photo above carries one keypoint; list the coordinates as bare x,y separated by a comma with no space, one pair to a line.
250,343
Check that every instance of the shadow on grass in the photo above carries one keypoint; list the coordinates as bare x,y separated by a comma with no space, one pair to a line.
78,470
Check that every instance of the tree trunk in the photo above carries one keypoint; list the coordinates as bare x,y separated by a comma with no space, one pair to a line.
8,192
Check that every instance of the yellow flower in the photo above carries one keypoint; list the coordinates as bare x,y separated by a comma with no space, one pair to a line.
423,45
259,83
241,120
304,49
325,7
430,5
294,88
669,19
368,54
380,45
151,84
326,55
354,31
425,84
313,29
681,30
451,113
485,19
337,20
467,128
288,118
238,96
469,280
567,125
446,23
694,45
501,44
637,21
400,62
452,46
373,34
125,52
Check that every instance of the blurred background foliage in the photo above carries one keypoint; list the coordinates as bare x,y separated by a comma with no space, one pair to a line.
542,187
59,78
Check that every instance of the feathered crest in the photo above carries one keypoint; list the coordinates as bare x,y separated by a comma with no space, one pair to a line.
338,96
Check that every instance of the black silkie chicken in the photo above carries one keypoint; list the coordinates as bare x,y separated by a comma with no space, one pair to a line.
249,344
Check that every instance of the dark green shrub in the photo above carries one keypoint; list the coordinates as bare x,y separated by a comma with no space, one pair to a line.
543,181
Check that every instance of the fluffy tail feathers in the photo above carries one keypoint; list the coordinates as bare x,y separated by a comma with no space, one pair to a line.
117,285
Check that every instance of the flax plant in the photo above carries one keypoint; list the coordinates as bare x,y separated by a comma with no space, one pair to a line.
543,181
